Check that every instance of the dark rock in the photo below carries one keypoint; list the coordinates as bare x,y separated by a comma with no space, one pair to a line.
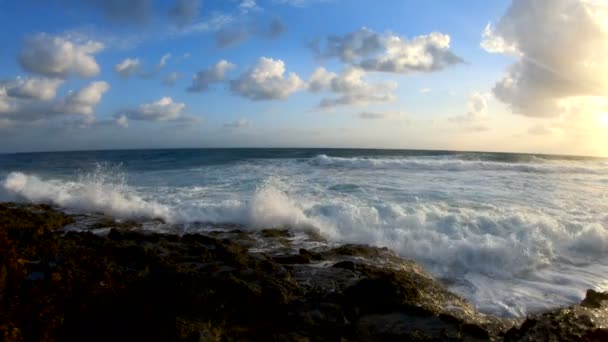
347,265
594,299
276,233
304,257
292,259
360,251
312,256
136,286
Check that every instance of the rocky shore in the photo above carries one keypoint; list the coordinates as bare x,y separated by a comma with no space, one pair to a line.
121,283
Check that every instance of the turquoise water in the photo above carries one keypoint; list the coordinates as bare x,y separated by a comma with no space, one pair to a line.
513,233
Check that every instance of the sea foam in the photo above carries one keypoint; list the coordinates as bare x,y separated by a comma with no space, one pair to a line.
454,164
511,242
92,194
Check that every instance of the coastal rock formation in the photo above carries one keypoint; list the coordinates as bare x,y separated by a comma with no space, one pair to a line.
127,284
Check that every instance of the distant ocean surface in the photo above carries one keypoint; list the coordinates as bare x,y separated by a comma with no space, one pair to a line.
512,233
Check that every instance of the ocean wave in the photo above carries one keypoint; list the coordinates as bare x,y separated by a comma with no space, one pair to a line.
455,164
457,239
484,245
93,193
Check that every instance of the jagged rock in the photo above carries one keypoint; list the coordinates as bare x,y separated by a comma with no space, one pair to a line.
585,322
131,285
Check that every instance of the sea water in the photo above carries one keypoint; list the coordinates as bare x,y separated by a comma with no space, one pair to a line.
512,233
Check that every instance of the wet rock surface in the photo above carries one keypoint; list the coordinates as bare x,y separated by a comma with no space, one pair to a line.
122,283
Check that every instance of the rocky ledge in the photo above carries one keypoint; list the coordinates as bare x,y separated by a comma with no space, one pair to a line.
126,284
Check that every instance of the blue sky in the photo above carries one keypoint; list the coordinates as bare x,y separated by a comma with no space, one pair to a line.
88,74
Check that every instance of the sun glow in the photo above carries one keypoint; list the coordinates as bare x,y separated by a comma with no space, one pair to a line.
603,117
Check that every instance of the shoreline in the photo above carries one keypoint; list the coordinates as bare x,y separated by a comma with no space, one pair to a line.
127,284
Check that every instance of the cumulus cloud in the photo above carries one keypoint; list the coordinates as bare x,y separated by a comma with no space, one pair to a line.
267,80
165,109
185,11
350,87
215,74
122,121
27,107
493,43
561,48
133,67
387,52
83,101
60,56
478,109
240,123
128,67
32,88
476,117
5,102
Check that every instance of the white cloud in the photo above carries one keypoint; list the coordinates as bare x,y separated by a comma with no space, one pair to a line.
561,47
163,61
387,52
33,88
351,87
381,115
493,43
122,121
476,116
83,101
240,123
214,23
5,103
60,56
425,90
266,80
30,108
248,5
164,109
478,105
128,67
215,74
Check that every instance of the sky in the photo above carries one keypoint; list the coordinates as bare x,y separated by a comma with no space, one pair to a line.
505,75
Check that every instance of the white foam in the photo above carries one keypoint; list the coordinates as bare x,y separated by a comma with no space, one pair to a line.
503,244
91,194
536,165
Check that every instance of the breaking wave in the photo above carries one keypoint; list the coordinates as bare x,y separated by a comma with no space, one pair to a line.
504,254
535,165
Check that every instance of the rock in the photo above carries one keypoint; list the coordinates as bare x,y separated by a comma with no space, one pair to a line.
594,299
304,257
347,265
276,233
131,285
585,322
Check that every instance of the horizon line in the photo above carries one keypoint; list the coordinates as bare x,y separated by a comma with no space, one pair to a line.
308,148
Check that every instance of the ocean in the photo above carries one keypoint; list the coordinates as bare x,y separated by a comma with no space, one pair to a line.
512,233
